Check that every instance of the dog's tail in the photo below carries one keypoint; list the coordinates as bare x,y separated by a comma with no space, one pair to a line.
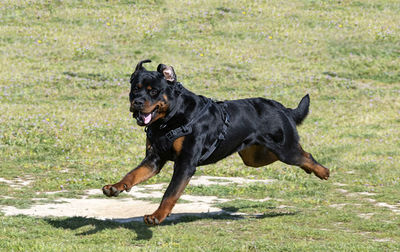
301,112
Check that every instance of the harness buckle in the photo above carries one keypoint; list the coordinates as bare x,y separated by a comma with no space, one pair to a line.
185,129
170,135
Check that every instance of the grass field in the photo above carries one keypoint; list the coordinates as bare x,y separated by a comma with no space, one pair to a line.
65,121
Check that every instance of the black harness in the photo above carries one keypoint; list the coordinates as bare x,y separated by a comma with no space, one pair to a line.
221,136
164,142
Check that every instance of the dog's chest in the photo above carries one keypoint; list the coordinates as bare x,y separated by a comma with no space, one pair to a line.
158,140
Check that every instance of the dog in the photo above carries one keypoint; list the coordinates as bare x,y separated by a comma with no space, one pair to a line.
192,130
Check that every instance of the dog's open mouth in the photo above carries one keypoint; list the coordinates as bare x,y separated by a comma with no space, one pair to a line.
144,119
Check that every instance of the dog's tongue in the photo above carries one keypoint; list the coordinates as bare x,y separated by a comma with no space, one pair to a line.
146,118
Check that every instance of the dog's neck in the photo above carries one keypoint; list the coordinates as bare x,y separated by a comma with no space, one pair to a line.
177,90
179,107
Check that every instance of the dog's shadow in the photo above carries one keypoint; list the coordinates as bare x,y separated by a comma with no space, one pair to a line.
145,232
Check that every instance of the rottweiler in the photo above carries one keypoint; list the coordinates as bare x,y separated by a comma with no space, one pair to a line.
192,130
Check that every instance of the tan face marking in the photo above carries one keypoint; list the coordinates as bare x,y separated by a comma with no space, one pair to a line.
161,112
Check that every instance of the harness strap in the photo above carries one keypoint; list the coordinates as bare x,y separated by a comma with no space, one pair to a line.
175,133
187,128
220,138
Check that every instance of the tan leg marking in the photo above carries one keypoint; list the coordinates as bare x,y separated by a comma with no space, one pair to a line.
166,206
257,156
310,165
177,145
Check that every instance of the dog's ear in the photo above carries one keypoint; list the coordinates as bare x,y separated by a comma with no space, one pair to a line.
140,67
168,72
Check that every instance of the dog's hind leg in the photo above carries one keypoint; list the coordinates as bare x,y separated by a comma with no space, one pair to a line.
297,156
257,156
309,164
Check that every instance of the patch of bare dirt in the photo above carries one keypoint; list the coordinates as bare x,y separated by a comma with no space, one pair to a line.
18,182
128,209
394,208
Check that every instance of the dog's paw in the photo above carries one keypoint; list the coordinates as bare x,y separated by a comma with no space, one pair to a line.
154,219
114,190
151,220
322,173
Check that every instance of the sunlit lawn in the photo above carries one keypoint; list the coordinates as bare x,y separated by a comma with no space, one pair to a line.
65,120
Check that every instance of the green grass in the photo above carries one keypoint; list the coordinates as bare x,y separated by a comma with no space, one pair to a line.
65,119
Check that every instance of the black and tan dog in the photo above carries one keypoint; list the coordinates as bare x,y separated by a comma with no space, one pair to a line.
193,130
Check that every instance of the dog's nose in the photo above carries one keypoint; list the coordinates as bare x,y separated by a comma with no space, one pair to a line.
136,105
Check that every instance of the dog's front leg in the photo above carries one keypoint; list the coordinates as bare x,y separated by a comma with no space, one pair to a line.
179,181
149,167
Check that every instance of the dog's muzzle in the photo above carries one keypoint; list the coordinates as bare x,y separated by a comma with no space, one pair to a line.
144,119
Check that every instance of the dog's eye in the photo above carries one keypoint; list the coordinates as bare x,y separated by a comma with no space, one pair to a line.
136,88
153,92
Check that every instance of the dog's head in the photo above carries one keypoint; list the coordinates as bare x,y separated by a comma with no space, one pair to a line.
151,93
